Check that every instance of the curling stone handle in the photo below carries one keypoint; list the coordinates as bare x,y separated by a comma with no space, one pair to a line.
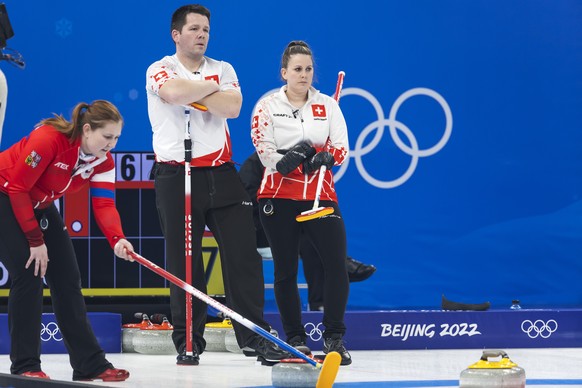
493,353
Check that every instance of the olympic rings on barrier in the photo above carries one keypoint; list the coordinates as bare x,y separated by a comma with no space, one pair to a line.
539,328
361,149
50,331
314,331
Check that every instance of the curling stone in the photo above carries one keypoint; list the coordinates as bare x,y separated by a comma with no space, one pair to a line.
484,373
155,339
294,372
128,332
214,334
230,342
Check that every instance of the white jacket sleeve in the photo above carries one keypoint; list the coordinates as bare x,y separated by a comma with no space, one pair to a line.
262,135
338,143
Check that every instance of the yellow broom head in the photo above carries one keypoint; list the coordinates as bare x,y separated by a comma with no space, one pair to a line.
329,370
198,106
314,213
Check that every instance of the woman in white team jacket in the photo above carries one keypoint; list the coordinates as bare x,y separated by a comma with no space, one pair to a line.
296,131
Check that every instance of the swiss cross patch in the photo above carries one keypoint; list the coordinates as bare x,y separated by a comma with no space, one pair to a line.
213,77
318,110
255,122
160,76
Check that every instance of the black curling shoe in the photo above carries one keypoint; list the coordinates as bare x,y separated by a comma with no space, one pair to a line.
265,350
335,343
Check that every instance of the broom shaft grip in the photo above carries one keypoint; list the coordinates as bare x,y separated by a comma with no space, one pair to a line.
322,170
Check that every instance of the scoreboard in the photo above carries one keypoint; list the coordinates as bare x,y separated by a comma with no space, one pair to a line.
103,274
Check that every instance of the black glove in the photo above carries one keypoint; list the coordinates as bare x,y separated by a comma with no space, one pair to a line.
323,158
294,157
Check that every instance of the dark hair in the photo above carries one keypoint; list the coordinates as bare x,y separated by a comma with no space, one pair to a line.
179,16
97,114
295,47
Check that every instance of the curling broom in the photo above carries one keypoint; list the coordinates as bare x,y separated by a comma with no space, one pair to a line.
332,360
316,211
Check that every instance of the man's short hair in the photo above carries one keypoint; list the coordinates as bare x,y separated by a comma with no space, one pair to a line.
179,16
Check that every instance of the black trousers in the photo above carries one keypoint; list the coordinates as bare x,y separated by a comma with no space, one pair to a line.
313,272
220,202
25,300
328,236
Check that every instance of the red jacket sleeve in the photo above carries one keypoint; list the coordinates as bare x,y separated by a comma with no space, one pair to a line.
34,158
103,203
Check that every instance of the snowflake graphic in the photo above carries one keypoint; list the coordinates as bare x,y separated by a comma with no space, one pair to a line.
64,27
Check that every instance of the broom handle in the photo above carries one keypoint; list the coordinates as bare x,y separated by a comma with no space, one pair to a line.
220,307
322,170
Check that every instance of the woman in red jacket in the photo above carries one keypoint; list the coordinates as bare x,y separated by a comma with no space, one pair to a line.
58,156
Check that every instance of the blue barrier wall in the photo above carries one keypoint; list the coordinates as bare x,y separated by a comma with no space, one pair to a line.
465,124
431,329
106,326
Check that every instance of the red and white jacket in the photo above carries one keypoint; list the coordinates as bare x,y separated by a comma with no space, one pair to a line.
277,125
40,168
211,145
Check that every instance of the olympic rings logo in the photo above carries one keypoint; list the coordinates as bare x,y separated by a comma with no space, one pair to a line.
50,331
539,328
314,331
361,149
394,125
3,274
